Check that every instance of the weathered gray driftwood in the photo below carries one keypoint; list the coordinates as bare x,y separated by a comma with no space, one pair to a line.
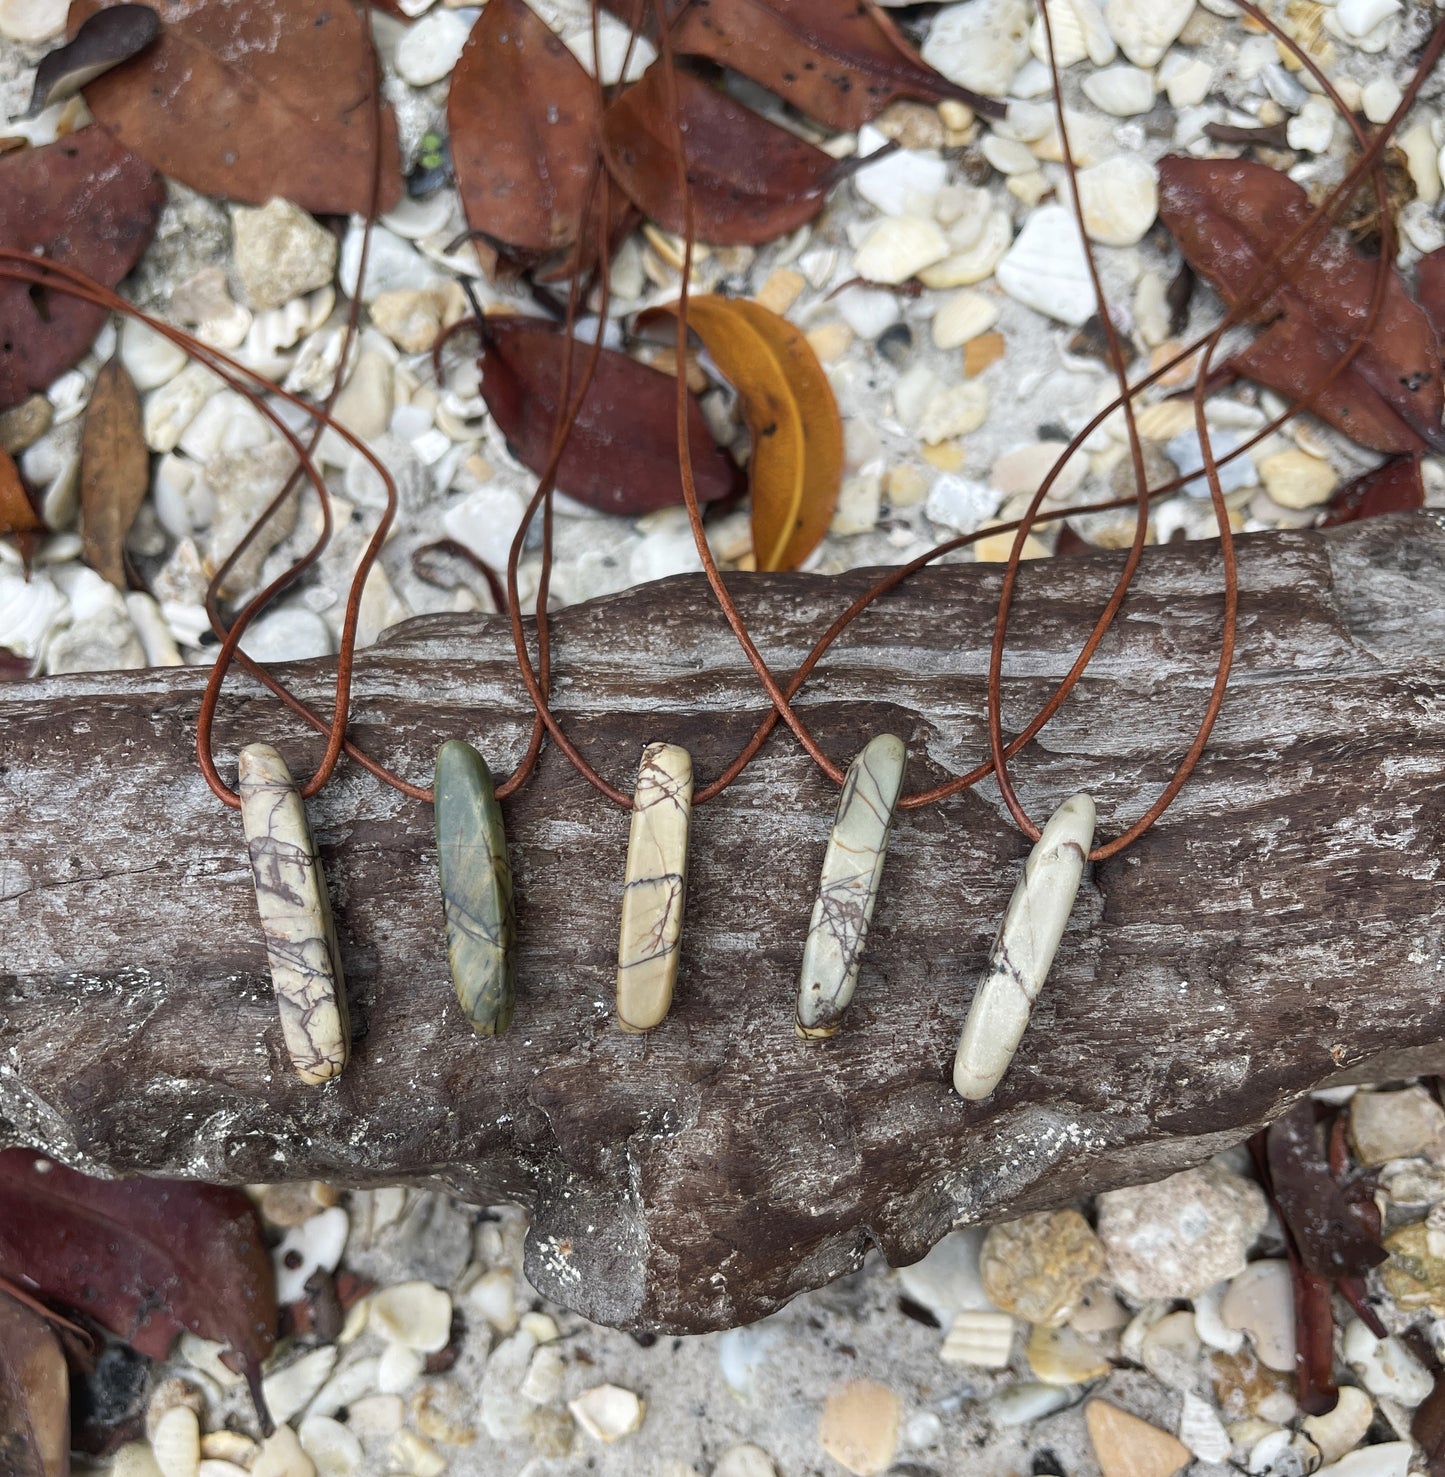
1281,929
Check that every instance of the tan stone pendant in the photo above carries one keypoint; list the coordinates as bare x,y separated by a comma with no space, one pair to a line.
655,887
295,911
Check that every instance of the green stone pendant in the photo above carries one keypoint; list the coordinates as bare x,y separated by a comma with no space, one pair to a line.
476,888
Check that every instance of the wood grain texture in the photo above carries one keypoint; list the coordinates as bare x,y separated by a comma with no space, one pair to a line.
1280,929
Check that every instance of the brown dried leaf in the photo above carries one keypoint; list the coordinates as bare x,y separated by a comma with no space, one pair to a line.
1430,289
249,99
839,64
104,41
114,470
792,417
17,514
144,1258
1229,216
622,453
83,202
1395,487
750,180
1428,1427
34,1396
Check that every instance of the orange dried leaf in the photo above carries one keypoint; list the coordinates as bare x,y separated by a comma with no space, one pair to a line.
17,515
114,470
792,417
249,99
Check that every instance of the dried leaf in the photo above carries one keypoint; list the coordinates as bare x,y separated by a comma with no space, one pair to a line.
750,180
1229,216
1430,289
249,99
105,40
1428,1427
524,132
34,1396
144,1258
838,64
114,470
1395,487
1327,1232
83,202
17,515
622,454
797,434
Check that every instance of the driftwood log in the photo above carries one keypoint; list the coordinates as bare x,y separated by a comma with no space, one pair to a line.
1281,929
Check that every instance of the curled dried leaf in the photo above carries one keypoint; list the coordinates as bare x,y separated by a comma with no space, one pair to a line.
622,454
1396,487
114,470
792,417
34,1396
750,181
17,514
106,39
1229,217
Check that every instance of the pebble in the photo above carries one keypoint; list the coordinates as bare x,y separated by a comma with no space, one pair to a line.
23,425
1385,1366
1020,1404
896,248
1120,199
1342,1429
411,318
1123,91
1178,1237
859,1426
281,252
399,1369
430,49
415,1315
947,1281
1046,269
28,611
296,1201
906,181
1380,98
150,358
984,1340
287,634
542,1384
1260,1301
954,411
1184,451
1171,1350
1146,29
32,20
607,1412
176,1442
1038,1267
1395,1125
1294,479
1415,1273
1125,1446
333,1448
860,500
744,1460
1389,1459
391,263
1244,1389
493,1294
1186,80
150,626
1312,129
282,1455
976,260
291,1389
376,1415
1357,18
1201,1430
866,311
1062,1356
961,503
1007,155
169,411
316,1243
364,405
980,44
100,636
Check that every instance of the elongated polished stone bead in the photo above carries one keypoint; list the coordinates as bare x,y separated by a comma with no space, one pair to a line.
1038,913
655,887
476,883
295,913
848,889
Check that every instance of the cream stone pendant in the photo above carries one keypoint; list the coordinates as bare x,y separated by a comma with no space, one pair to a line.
655,887
295,913
848,888
1022,954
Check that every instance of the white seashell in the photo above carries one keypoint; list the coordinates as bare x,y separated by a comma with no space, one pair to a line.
1061,1356
744,1460
215,1467
1380,98
1357,18
430,49
1268,1451
399,1369
1120,199
1007,155
335,1450
347,1385
1211,1327
1078,32
32,20
1201,1430
411,219
1313,128
227,330
1145,29
1389,1459
494,1293
897,248
376,1415
607,1412
1343,1428
1024,122
69,395
948,1281
160,651
434,1412
228,1446
1170,1351
182,497
29,611
134,1460
1186,80
981,1339
905,181
542,1327
868,311
1261,1302
290,1390
413,1314
176,1442
975,261
1045,268
954,411
150,359
1387,1368
409,1453
618,48
281,1456
1021,1404
979,44
391,263
1123,91
167,412
542,1384
319,1242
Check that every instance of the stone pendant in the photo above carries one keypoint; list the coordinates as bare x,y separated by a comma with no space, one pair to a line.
848,889
655,887
1022,954
295,913
476,882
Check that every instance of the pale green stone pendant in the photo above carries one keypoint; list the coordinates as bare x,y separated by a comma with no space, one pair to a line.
295,913
476,888
848,889
655,887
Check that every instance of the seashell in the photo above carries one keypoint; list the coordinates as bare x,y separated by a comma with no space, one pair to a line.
980,1339
1165,421
335,1449
1386,1367
607,1412
281,1456
1343,1428
1358,18
69,395
542,1327
1120,199
434,1412
318,1242
1078,31
1294,479
150,358
182,496
168,1394
134,1459
201,1354
376,1415
399,1369
214,1467
899,247
357,1316
1266,1453
227,330
1020,1404
1171,1349
413,219
1201,1430
294,1203
1045,268
290,1390
542,1384
168,411
409,1453
347,1385
1007,155
1261,1302
413,1314
1122,91
29,611
176,1442
228,1446
962,317
966,265
1060,1356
